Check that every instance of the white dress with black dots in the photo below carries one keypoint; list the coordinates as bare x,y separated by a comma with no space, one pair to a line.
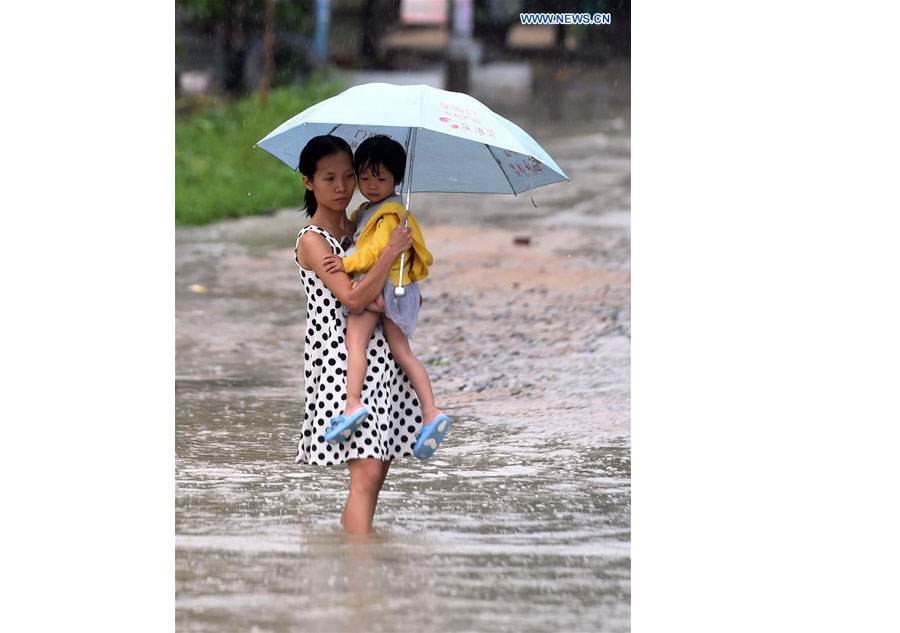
389,432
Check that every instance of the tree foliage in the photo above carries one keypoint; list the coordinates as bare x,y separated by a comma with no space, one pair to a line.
207,15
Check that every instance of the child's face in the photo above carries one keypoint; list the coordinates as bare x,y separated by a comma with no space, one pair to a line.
378,186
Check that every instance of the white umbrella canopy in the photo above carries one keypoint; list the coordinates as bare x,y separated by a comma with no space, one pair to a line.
454,143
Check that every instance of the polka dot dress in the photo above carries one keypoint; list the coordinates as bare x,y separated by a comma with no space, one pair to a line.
389,432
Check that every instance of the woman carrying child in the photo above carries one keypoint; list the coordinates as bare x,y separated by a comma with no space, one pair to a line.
389,429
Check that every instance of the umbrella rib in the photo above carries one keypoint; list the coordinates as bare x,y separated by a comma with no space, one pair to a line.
502,171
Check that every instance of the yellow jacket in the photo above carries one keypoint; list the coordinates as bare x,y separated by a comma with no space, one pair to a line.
375,236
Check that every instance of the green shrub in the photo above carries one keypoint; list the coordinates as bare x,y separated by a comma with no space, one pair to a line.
218,173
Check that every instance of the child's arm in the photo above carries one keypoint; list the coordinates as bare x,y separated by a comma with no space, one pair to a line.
363,259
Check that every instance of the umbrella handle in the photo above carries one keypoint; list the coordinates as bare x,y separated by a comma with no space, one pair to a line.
399,290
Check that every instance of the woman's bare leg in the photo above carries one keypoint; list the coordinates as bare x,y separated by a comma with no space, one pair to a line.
385,466
359,333
402,353
366,479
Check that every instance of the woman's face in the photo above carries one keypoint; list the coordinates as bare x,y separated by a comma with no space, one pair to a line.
333,182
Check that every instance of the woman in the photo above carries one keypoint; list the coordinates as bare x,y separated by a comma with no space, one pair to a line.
327,167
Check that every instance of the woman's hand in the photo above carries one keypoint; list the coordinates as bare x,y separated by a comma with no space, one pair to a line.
401,237
377,305
333,264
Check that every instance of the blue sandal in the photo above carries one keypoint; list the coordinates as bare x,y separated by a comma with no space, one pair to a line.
342,427
430,436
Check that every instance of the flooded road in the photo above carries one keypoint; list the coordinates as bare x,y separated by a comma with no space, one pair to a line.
521,521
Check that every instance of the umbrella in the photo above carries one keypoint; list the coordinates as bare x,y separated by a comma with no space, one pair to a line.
454,143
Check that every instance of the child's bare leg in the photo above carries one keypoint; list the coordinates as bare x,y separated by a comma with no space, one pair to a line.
399,345
359,332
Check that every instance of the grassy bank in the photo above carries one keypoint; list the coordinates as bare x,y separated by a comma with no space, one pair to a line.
219,175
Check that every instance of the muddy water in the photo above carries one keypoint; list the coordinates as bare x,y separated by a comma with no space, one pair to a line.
521,521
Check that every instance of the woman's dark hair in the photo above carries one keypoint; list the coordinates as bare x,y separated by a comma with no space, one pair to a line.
381,150
317,148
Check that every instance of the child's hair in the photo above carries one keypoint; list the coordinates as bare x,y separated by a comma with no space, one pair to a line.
317,148
381,150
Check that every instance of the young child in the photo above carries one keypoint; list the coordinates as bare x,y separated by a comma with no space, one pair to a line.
380,163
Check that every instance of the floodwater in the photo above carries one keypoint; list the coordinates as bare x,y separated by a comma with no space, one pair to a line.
521,520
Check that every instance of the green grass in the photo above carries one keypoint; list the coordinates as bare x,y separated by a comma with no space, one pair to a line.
219,175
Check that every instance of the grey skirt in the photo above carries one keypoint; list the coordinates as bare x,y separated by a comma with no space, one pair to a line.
403,311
